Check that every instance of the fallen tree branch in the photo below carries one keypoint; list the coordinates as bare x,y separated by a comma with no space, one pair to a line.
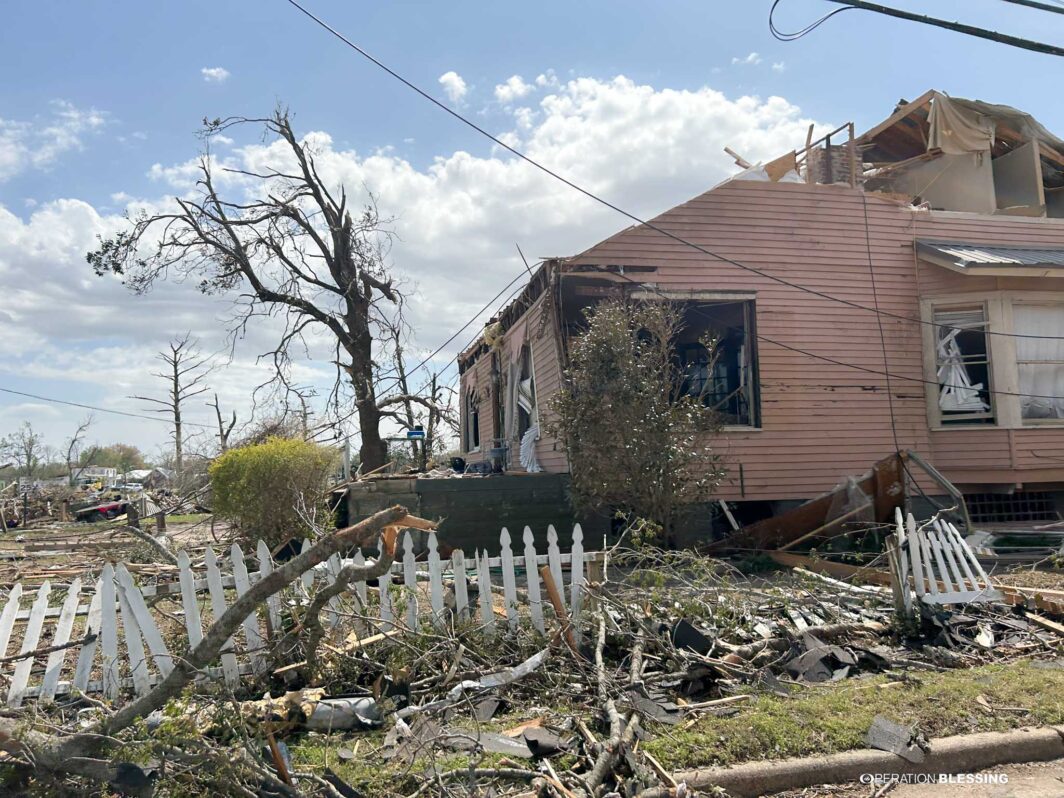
150,539
348,574
50,649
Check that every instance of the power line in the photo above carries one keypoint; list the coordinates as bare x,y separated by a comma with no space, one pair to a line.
958,27
100,409
1057,9
606,203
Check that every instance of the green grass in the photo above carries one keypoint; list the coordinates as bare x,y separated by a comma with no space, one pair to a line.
188,518
833,718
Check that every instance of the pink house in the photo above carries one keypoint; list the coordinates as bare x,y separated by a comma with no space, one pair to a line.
929,249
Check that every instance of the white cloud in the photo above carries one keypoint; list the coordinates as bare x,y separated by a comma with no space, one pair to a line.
752,59
457,218
40,143
215,74
778,66
453,86
513,89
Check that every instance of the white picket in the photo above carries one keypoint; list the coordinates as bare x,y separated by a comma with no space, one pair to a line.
242,581
333,567
461,588
509,579
535,600
189,602
410,582
951,560
554,561
154,640
435,580
138,661
273,603
109,632
487,609
7,617
29,643
63,628
218,607
576,574
83,669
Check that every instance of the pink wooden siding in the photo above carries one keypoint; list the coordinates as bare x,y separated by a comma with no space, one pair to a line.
539,333
822,421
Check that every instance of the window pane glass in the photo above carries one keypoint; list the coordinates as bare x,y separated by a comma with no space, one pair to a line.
1040,360
962,363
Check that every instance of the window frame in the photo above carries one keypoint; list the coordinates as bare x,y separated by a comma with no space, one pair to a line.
1004,366
749,301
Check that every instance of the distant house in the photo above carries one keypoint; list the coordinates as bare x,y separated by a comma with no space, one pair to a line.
947,217
104,474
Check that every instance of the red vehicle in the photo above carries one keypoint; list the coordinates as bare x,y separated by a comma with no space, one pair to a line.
103,512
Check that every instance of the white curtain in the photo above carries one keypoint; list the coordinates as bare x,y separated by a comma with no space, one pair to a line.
1040,360
958,394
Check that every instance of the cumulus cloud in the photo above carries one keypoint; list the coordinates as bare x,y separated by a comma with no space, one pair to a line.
453,86
215,74
456,221
778,66
751,59
41,142
513,89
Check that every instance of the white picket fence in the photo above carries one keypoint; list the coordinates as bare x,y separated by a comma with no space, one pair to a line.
942,566
115,642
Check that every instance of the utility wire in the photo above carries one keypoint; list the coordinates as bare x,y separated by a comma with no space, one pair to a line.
649,225
1057,9
958,27
100,409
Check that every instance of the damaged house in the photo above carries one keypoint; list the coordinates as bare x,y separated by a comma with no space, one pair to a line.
947,218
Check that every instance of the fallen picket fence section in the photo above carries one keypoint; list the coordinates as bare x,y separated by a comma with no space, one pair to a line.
940,565
111,641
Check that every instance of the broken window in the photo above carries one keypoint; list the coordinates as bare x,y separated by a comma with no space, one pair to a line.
726,378
962,363
472,414
526,392
1040,360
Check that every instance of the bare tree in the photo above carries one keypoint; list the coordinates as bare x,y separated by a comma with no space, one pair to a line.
184,372
225,429
73,449
26,448
293,249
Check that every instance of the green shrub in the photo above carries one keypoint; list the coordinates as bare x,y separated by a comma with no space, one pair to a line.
271,490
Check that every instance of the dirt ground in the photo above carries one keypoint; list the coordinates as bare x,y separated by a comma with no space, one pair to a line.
1033,780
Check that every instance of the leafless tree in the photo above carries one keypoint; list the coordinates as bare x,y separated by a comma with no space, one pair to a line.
225,429
184,372
73,449
26,448
293,249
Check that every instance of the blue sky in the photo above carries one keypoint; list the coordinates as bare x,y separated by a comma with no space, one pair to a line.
97,94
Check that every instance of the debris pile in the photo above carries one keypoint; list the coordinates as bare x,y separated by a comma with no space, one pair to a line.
664,639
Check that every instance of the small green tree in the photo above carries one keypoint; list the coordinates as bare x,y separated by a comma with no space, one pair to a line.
638,442
273,490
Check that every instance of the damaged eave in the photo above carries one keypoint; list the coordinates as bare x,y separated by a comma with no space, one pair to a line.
993,261
513,311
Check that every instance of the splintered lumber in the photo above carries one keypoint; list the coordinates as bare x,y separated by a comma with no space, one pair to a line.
1045,623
